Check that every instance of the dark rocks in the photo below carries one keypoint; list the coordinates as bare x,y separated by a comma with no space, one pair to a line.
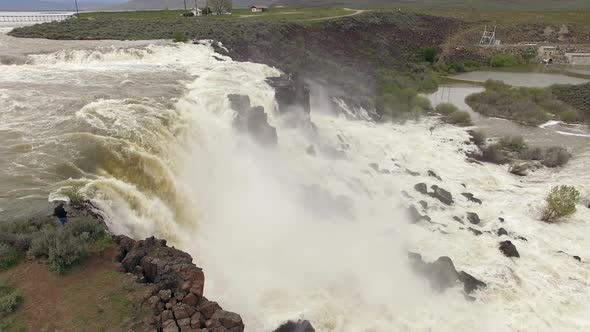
508,249
475,231
415,216
423,204
253,120
473,218
578,258
442,273
177,287
459,220
501,231
434,175
298,326
470,283
421,188
471,198
412,173
290,92
442,195
522,169
501,219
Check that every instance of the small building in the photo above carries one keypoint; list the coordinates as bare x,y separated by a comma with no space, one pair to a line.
259,9
578,58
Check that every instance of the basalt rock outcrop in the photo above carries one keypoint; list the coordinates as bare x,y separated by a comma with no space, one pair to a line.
442,195
252,120
177,300
291,92
508,249
442,274
298,326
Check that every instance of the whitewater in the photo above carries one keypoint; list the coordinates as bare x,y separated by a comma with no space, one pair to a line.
146,133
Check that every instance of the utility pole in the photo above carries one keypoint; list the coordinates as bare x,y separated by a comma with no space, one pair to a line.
185,5
77,11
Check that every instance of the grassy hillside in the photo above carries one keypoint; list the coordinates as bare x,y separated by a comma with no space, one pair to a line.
465,4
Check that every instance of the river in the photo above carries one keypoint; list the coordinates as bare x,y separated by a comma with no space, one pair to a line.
145,130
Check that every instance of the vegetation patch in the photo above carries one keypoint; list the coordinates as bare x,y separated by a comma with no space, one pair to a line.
10,299
561,202
531,106
9,256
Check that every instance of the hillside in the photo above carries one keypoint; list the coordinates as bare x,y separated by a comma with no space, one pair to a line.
480,4
179,4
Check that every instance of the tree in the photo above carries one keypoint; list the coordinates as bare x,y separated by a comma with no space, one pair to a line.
221,6
561,202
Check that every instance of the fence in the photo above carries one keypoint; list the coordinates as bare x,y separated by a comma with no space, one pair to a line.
34,18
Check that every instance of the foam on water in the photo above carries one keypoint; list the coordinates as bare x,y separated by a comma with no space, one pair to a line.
284,234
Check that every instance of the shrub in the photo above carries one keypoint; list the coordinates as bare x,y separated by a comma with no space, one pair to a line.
561,202
569,116
75,196
477,137
10,299
459,118
445,108
504,60
493,154
65,251
86,229
430,54
513,143
179,37
18,234
555,156
42,241
9,256
423,103
531,154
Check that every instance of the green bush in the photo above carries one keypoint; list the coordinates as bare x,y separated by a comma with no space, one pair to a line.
9,256
77,199
513,143
10,299
86,229
42,241
555,156
18,234
561,202
493,154
504,60
532,154
477,137
179,37
569,116
430,54
459,118
65,251
446,108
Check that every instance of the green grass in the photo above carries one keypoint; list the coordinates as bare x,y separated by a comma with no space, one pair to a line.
289,14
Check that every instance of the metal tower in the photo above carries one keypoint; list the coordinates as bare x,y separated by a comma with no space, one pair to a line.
488,38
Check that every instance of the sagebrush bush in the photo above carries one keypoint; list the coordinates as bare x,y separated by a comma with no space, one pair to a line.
561,202
18,234
179,37
65,251
493,154
531,154
42,241
10,299
477,137
9,256
87,228
555,156
76,197
513,143
445,108
459,118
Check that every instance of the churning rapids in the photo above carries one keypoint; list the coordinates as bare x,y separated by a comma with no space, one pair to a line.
146,132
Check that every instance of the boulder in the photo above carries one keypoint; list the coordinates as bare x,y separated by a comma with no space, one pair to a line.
470,283
475,231
412,173
501,219
191,300
508,249
229,320
298,326
442,195
291,92
473,218
434,175
252,120
578,258
208,308
501,231
471,198
522,169
415,216
442,273
423,204
457,219
421,188
165,295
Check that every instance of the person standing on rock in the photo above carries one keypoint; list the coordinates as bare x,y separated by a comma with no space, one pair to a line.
61,214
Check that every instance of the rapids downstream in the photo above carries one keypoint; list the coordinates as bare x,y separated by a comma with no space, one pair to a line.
146,132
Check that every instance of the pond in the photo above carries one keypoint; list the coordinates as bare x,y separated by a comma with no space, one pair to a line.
457,87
